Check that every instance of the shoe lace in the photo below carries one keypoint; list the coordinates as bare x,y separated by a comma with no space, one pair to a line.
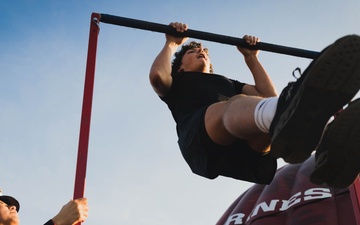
297,74
298,70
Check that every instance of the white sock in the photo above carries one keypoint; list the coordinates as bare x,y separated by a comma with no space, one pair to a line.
264,113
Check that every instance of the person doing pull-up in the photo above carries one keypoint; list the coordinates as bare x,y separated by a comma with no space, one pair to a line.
226,127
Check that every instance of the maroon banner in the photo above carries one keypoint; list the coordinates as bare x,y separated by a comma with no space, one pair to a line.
291,199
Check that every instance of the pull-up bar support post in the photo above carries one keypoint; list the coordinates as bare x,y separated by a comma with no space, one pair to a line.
80,175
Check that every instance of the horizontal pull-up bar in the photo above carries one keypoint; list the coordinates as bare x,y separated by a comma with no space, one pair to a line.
144,25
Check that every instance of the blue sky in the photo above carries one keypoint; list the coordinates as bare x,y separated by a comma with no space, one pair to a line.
135,171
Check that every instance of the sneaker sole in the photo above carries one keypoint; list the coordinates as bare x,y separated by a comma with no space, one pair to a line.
339,165
331,82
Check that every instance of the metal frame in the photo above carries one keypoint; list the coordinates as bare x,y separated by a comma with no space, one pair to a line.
96,18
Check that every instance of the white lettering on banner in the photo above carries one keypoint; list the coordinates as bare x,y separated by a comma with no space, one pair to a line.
265,207
236,218
316,193
310,194
292,201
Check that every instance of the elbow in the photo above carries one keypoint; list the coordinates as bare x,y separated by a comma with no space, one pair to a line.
155,79
158,84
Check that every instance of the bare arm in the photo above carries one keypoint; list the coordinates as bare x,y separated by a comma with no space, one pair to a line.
263,84
160,72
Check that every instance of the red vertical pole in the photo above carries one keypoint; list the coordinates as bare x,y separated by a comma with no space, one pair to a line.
355,197
86,108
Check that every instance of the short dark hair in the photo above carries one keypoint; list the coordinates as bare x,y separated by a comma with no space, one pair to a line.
176,63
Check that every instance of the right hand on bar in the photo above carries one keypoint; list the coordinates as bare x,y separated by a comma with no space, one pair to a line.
180,27
251,40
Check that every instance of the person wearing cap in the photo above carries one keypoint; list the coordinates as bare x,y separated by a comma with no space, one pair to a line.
9,208
73,212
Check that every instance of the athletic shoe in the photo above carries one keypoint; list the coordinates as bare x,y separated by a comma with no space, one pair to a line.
338,154
305,106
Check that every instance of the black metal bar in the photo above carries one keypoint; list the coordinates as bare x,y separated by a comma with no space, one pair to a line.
150,26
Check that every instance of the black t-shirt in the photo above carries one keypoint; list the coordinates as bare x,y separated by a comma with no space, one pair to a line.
193,91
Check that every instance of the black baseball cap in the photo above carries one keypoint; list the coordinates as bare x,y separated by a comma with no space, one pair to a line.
8,200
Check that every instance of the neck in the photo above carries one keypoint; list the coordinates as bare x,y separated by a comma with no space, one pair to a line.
10,222
196,71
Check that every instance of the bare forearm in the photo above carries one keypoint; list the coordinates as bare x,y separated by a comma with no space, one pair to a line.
263,82
160,72
162,63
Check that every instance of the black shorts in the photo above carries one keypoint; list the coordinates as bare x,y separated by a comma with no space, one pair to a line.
208,159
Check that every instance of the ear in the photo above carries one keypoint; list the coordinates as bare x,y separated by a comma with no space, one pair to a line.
12,208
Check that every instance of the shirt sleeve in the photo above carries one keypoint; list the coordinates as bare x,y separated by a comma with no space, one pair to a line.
238,86
50,222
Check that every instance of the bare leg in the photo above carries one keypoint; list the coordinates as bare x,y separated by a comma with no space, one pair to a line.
234,119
